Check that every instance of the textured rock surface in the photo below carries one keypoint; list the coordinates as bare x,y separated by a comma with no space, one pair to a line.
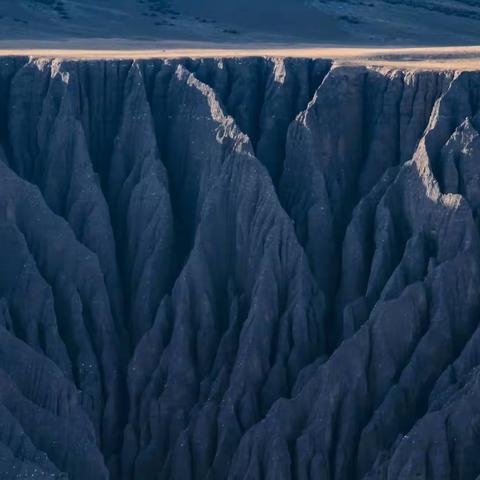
243,269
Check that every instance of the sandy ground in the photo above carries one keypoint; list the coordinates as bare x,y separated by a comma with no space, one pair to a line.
434,58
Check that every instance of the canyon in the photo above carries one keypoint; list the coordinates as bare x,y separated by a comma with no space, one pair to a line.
238,268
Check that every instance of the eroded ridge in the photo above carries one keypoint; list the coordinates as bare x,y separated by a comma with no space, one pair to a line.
238,269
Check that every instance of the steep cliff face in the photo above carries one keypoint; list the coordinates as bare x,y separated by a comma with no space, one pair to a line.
242,269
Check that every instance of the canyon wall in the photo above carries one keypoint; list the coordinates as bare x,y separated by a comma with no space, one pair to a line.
238,269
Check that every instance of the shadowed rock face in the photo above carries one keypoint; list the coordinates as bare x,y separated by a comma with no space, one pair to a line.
238,269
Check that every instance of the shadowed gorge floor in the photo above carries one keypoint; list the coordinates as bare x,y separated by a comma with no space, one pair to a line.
245,269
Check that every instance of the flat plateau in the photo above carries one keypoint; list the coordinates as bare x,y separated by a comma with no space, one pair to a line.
424,58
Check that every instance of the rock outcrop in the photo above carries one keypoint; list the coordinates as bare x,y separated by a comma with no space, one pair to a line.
238,269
